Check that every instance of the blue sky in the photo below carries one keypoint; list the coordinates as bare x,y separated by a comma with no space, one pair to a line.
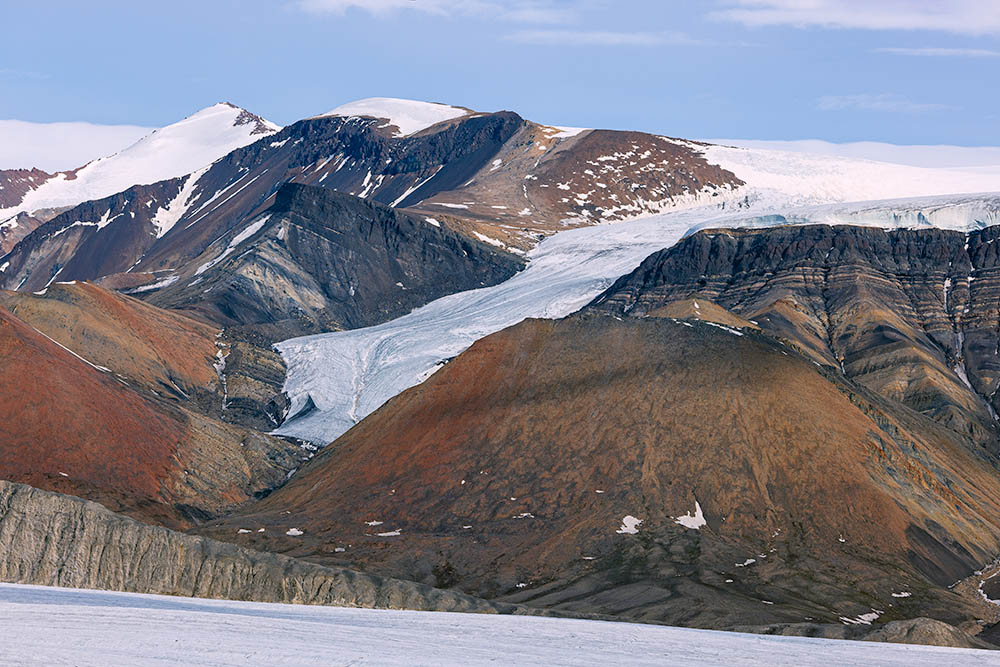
901,71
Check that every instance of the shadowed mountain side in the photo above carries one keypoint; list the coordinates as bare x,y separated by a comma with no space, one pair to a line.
319,260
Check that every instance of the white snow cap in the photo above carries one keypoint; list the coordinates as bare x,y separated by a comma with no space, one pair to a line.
172,151
409,116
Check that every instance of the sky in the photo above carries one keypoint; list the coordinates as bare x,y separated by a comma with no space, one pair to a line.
898,71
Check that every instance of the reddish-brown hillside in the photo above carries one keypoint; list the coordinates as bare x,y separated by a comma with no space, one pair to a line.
555,463
155,348
69,425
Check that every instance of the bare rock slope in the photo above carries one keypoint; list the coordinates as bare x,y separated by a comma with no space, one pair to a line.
71,424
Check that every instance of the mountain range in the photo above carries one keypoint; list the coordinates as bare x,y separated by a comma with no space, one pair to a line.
532,369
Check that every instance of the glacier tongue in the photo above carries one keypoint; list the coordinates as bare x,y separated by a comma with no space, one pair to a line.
348,375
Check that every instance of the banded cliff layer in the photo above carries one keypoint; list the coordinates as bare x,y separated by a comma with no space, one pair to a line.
911,314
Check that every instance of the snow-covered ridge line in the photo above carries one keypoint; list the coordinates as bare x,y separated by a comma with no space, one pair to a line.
169,152
930,156
350,374
409,116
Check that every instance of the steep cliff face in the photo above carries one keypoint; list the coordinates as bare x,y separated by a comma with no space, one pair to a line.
321,260
659,469
57,540
911,314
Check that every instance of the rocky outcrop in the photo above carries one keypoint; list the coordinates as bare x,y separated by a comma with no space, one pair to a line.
15,183
254,377
656,469
911,314
56,540
16,228
319,260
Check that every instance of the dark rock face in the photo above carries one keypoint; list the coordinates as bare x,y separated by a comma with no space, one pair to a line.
56,540
254,376
911,314
494,174
323,260
562,456
89,241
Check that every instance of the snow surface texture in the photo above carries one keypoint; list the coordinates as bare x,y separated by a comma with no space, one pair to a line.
408,116
52,626
783,179
937,157
349,374
172,151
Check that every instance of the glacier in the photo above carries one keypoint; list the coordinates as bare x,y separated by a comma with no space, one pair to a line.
334,380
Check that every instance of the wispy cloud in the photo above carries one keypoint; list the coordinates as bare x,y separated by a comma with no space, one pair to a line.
971,17
382,7
521,11
940,52
883,102
599,38
8,73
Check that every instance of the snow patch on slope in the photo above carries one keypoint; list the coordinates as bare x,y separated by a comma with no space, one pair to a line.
167,216
249,231
409,116
694,521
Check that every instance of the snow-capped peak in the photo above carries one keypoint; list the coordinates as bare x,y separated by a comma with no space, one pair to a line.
169,152
409,116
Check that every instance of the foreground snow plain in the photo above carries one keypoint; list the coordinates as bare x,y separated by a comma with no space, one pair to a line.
54,626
